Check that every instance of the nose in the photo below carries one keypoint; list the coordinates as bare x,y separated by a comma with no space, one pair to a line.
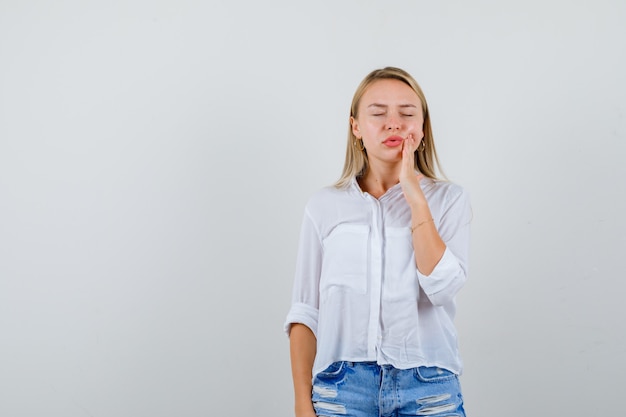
393,122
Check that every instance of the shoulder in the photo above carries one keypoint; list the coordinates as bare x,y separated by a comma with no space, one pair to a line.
444,192
442,187
331,201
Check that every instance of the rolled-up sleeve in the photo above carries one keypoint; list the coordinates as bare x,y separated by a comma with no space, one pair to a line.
450,273
305,300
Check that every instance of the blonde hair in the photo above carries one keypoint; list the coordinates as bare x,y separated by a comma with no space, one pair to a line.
426,161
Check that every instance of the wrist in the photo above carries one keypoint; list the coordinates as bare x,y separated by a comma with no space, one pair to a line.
421,223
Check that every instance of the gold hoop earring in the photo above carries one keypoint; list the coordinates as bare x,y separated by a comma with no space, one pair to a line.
358,143
421,146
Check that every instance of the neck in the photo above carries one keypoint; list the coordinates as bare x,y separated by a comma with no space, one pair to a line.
377,180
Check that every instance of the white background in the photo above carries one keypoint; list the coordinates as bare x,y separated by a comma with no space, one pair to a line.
156,156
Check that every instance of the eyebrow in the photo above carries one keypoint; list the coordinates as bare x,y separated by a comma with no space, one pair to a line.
385,106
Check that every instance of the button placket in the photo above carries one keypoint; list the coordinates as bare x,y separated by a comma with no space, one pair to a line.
375,276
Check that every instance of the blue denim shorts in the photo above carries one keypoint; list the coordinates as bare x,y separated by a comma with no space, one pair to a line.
366,389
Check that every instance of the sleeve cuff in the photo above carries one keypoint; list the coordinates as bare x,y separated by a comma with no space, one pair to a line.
304,314
444,281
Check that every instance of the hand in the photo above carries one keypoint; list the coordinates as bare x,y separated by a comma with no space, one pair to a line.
409,180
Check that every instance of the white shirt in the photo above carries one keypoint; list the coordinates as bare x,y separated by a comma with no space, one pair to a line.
357,286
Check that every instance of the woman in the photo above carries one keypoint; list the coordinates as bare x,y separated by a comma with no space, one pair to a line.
382,256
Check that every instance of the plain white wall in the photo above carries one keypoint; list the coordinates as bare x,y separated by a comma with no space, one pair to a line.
155,158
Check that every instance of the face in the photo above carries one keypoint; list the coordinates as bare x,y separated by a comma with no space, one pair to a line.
389,111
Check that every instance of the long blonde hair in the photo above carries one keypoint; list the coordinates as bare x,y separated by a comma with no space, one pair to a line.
426,160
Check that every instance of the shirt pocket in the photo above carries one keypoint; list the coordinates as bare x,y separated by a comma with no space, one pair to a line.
400,281
345,258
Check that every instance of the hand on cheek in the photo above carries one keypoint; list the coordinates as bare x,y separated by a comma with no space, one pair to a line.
408,158
409,180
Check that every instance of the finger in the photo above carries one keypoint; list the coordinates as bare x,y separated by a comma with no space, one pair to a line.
409,144
406,150
413,142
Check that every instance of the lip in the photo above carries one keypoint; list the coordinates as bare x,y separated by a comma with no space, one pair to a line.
393,141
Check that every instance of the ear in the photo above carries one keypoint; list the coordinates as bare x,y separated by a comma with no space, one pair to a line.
355,127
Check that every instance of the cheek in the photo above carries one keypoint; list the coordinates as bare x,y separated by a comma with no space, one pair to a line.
418,130
370,127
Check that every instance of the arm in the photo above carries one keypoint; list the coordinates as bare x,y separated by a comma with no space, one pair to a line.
442,250
302,349
427,244
301,322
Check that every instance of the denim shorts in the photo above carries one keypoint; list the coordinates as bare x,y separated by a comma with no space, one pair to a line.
366,389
